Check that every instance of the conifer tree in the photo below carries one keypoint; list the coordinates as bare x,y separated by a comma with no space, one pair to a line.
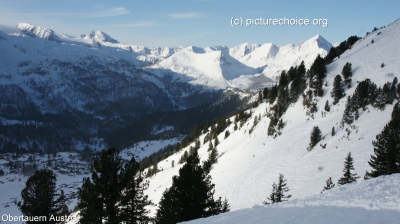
317,74
133,201
330,56
98,196
316,136
40,198
380,100
329,185
272,94
348,177
347,73
191,195
386,157
348,116
327,107
279,191
337,91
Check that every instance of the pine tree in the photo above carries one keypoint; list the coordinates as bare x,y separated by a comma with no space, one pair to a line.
380,100
347,73
333,132
327,107
279,190
40,198
348,177
133,201
337,91
330,56
317,74
191,195
386,157
98,197
273,93
348,117
329,185
316,136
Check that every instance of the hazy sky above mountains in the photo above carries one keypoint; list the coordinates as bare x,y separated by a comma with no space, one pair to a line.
203,22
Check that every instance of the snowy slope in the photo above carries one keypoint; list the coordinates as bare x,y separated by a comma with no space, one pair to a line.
240,66
372,201
250,163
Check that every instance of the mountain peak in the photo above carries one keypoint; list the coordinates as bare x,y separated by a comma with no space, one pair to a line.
38,31
99,36
321,42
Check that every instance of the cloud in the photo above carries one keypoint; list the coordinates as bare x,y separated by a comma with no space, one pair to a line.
109,12
189,15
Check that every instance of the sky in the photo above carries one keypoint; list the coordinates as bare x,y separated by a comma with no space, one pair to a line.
202,23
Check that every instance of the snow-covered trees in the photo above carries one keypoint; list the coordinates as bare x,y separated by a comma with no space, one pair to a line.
348,177
386,157
279,191
337,91
329,185
317,74
316,136
191,195
347,73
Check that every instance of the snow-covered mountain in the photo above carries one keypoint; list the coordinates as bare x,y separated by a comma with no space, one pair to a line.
100,85
250,161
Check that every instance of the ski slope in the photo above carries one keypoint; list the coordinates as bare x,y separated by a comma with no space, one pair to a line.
372,201
248,164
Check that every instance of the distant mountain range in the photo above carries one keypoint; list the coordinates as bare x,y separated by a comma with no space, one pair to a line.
92,85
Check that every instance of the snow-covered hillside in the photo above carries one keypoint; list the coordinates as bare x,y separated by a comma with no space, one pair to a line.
240,66
249,163
372,201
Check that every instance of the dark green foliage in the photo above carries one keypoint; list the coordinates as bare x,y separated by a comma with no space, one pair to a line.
316,136
329,185
298,82
272,94
113,194
347,73
348,177
380,100
156,157
364,94
133,201
330,56
348,116
283,80
317,74
227,133
337,91
333,132
386,157
343,46
39,197
327,107
279,191
184,157
98,197
191,195
389,90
